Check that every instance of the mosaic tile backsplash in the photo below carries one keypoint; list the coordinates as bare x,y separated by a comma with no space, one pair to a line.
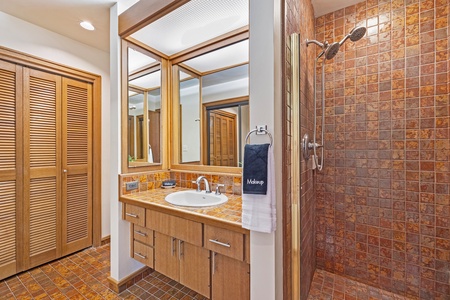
153,180
383,203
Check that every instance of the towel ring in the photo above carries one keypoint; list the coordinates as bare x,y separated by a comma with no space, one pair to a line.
257,131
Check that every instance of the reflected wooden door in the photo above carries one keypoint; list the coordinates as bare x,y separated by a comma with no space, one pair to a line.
222,139
154,135
139,137
131,136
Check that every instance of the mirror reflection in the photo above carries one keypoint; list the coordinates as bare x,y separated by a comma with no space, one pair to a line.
144,109
190,117
214,114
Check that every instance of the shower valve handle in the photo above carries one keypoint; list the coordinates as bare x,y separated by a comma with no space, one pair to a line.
311,146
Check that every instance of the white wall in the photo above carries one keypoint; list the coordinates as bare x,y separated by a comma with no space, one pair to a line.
265,102
28,38
122,264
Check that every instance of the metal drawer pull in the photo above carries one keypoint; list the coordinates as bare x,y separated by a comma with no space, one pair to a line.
180,253
140,233
172,247
220,243
140,255
213,262
132,215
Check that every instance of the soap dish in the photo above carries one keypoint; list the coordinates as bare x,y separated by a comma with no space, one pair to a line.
168,184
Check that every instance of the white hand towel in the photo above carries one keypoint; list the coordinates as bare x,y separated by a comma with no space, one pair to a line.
259,211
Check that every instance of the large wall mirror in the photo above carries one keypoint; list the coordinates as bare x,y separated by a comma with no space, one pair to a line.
144,108
203,54
213,109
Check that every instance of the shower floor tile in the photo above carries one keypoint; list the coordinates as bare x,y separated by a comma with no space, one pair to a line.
83,275
327,285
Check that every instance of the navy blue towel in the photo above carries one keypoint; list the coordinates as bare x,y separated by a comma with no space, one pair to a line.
255,169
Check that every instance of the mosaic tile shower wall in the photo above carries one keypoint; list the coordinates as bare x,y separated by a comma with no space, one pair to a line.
383,203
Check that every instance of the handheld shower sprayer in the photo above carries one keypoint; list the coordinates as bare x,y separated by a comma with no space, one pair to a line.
329,51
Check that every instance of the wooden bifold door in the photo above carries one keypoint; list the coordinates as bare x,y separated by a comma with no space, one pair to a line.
45,167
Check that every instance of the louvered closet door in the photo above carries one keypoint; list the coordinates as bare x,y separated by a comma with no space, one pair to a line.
10,163
77,165
42,166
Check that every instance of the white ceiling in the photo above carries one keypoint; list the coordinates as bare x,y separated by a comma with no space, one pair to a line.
64,16
193,23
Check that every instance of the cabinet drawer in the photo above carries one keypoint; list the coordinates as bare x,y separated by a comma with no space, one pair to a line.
143,253
134,214
183,229
224,241
143,235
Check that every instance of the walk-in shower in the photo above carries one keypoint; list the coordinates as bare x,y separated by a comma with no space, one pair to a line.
329,51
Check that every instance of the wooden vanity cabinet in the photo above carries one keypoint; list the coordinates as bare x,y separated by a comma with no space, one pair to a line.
186,263
142,246
134,214
210,260
230,278
230,273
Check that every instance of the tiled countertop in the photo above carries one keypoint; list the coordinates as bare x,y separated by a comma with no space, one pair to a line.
227,215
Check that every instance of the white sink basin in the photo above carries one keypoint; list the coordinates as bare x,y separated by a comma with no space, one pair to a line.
193,198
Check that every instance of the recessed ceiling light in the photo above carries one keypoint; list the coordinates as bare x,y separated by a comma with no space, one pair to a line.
87,25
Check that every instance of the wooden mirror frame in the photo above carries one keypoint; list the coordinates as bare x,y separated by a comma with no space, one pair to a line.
124,110
135,18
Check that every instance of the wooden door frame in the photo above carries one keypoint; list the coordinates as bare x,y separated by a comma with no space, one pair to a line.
41,64
205,121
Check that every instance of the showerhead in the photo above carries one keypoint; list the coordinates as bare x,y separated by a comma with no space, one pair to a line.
355,35
332,50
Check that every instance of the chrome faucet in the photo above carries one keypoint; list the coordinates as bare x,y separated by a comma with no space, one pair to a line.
198,181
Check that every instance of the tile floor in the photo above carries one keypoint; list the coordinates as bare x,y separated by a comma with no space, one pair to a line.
327,285
83,275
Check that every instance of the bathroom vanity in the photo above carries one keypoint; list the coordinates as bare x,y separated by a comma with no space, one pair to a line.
205,249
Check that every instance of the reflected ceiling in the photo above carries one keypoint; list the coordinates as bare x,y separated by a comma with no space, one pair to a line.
194,23
229,56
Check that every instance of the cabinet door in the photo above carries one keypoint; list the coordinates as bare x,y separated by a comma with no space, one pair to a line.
10,163
42,167
230,278
77,165
194,268
166,256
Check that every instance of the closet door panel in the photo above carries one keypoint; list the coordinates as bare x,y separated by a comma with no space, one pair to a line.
10,165
77,165
42,165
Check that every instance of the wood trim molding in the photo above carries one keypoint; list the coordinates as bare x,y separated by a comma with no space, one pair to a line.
97,165
152,52
145,12
45,65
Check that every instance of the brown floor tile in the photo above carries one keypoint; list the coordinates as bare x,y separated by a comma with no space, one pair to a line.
331,286
83,275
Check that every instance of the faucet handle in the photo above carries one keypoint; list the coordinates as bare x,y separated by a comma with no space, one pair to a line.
218,186
198,185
